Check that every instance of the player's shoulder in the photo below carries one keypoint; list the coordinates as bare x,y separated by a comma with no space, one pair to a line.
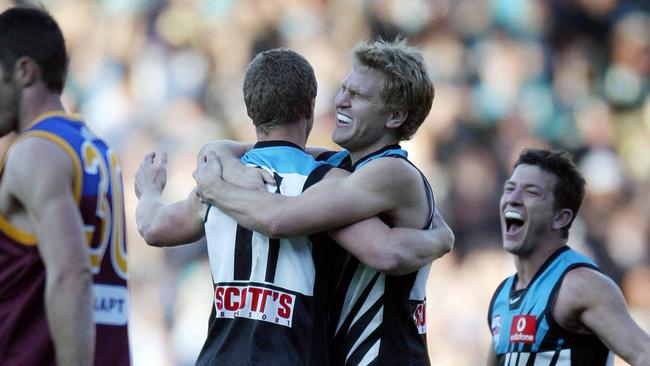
586,279
582,287
390,169
33,156
336,173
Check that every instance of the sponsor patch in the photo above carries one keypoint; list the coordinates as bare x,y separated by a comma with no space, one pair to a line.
111,304
523,329
420,317
495,325
254,302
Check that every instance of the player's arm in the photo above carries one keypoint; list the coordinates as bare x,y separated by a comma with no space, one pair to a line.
329,204
395,251
229,153
590,299
162,224
40,176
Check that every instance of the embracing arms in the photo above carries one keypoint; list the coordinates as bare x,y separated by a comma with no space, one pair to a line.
181,222
395,250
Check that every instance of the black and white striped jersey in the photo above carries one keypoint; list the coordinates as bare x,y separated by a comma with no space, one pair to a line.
270,295
380,319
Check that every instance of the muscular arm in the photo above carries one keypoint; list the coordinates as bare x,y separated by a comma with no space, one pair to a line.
357,197
395,251
390,250
40,176
165,225
162,224
590,301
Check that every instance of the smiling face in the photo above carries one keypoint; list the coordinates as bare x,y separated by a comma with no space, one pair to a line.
527,210
361,114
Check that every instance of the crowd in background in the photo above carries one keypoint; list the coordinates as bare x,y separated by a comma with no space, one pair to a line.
508,74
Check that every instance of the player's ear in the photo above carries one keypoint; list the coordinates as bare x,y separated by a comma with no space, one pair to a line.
562,219
26,72
397,118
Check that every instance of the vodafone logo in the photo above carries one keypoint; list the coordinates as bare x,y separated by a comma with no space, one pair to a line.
521,324
523,329
254,302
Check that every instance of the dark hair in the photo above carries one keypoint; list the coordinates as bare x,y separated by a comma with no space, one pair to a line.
569,190
407,86
35,34
279,87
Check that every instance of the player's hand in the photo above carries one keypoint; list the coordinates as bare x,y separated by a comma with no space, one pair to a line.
247,177
151,176
207,175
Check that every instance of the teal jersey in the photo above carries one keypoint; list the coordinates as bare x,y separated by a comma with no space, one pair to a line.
523,329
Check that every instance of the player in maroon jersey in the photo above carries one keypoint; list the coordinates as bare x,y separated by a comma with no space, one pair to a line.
63,273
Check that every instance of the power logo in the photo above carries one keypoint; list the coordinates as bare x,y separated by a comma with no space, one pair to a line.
523,329
420,317
253,302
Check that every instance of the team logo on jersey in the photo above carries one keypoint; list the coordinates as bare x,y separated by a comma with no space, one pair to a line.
420,317
254,302
523,329
495,325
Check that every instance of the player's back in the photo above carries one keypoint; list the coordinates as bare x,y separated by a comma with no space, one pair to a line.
270,294
97,188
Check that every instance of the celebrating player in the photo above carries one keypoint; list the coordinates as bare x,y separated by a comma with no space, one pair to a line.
558,309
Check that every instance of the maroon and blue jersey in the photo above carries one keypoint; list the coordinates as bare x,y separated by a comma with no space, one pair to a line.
24,334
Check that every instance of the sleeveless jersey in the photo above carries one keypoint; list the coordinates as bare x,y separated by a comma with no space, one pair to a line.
270,295
524,331
97,187
380,319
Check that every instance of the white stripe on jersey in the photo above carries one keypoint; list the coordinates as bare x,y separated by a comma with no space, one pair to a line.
219,226
419,290
292,270
372,354
360,281
376,321
545,358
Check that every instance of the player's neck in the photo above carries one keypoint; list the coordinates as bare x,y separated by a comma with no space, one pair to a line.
294,133
528,265
36,102
358,153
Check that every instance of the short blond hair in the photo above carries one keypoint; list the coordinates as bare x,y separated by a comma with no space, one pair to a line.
407,87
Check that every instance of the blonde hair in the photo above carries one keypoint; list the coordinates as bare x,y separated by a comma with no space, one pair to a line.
407,85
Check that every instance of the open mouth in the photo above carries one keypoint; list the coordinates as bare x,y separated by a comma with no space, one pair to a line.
514,221
343,120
